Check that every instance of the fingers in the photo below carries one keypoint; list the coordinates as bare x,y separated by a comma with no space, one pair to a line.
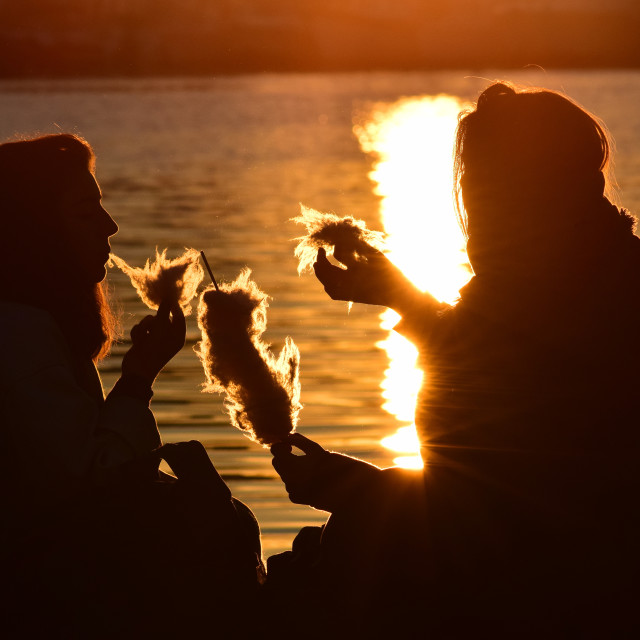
171,316
140,330
283,457
164,310
334,279
146,323
305,444
344,255
280,449
281,465
322,255
322,265
168,315
171,312
178,320
183,454
190,461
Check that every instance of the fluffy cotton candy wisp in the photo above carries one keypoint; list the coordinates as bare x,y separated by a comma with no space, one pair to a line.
165,280
262,391
346,238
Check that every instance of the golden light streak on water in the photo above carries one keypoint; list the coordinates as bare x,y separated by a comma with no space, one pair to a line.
412,141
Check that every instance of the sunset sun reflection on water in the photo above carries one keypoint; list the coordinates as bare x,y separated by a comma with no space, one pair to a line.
412,142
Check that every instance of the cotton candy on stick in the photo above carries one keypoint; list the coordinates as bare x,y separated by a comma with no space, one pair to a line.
347,239
262,391
173,281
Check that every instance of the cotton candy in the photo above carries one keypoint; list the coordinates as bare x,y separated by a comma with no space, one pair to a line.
173,281
347,239
262,392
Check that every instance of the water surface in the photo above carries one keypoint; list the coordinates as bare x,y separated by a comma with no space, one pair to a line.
221,164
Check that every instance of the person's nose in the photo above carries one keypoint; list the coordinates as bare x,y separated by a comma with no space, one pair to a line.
109,224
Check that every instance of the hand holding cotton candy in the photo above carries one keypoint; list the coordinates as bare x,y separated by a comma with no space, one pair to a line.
262,392
172,281
369,277
348,239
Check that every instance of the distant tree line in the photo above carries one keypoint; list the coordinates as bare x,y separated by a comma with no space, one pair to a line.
45,38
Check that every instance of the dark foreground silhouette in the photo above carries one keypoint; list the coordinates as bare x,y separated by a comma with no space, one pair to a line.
95,542
524,523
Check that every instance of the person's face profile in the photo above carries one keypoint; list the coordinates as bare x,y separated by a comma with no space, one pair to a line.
86,225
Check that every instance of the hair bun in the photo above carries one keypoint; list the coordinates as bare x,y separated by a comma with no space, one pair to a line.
495,91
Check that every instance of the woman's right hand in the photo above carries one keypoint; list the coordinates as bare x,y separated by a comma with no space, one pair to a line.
301,475
375,280
319,478
155,340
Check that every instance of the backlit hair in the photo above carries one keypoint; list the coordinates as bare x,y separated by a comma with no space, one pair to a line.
531,141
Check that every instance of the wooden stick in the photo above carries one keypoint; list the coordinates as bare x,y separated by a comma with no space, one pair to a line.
206,264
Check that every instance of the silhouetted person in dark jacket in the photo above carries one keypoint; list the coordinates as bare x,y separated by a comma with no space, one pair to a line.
528,415
91,531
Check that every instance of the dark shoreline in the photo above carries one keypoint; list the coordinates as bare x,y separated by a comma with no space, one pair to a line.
211,75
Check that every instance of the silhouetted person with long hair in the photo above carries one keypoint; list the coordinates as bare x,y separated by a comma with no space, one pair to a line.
58,429
528,415
89,532
59,434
